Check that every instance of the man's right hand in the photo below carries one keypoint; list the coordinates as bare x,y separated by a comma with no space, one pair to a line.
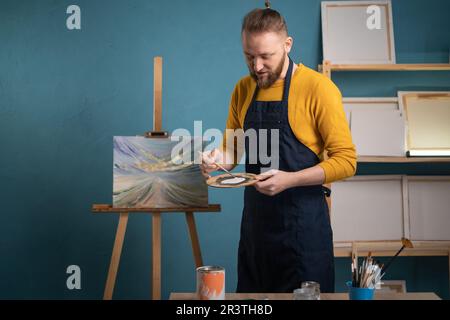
209,160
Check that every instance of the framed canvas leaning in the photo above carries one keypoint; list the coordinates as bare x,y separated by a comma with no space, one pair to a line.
427,125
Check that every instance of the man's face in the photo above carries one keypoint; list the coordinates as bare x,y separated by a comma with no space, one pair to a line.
265,55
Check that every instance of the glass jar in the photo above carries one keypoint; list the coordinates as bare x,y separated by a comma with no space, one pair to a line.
304,294
315,286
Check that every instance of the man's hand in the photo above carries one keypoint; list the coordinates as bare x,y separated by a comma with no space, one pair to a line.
209,160
273,182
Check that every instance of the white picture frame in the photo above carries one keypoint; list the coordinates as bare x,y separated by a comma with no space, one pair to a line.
347,38
427,124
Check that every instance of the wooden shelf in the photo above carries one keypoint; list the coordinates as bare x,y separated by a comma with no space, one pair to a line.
389,248
404,159
429,252
389,67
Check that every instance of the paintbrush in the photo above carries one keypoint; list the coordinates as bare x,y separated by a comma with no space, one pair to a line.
353,271
406,244
213,162
225,170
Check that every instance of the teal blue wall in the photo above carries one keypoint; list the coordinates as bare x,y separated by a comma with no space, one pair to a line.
65,94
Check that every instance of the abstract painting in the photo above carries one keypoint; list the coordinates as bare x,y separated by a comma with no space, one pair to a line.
146,175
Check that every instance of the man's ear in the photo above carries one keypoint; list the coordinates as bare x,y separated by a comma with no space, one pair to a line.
288,44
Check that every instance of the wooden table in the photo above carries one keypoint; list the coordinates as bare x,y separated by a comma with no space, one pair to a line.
323,296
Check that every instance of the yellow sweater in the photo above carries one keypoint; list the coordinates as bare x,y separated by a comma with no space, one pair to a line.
316,116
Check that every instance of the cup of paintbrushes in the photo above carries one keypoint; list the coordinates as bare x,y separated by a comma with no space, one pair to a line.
357,293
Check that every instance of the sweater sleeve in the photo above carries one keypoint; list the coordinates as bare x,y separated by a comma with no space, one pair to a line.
232,125
334,129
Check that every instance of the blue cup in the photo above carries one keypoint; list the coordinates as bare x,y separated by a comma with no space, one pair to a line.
359,293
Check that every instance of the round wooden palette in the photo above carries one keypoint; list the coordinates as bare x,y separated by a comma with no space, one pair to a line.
217,181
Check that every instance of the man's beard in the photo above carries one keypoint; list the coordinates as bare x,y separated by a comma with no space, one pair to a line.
271,77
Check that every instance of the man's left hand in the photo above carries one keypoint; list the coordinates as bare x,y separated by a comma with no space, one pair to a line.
274,181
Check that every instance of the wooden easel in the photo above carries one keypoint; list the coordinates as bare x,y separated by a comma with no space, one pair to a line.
156,212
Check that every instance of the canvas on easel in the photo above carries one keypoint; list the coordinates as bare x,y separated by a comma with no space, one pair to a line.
148,175
156,174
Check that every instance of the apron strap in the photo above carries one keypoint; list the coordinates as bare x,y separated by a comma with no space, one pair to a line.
287,82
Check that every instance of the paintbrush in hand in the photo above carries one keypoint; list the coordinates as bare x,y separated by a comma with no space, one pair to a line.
225,170
221,167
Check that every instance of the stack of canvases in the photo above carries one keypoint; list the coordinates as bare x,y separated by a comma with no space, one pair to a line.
394,129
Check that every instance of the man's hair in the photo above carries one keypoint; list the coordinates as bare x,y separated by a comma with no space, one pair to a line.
264,20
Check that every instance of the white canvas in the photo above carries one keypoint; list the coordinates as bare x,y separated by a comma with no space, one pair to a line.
429,209
376,124
367,209
347,38
378,132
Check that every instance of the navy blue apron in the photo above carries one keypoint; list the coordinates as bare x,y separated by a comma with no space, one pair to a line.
285,239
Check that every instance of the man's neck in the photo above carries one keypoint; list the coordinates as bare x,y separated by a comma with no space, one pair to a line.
285,69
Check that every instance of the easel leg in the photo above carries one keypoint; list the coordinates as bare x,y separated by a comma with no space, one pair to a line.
115,258
156,250
194,239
